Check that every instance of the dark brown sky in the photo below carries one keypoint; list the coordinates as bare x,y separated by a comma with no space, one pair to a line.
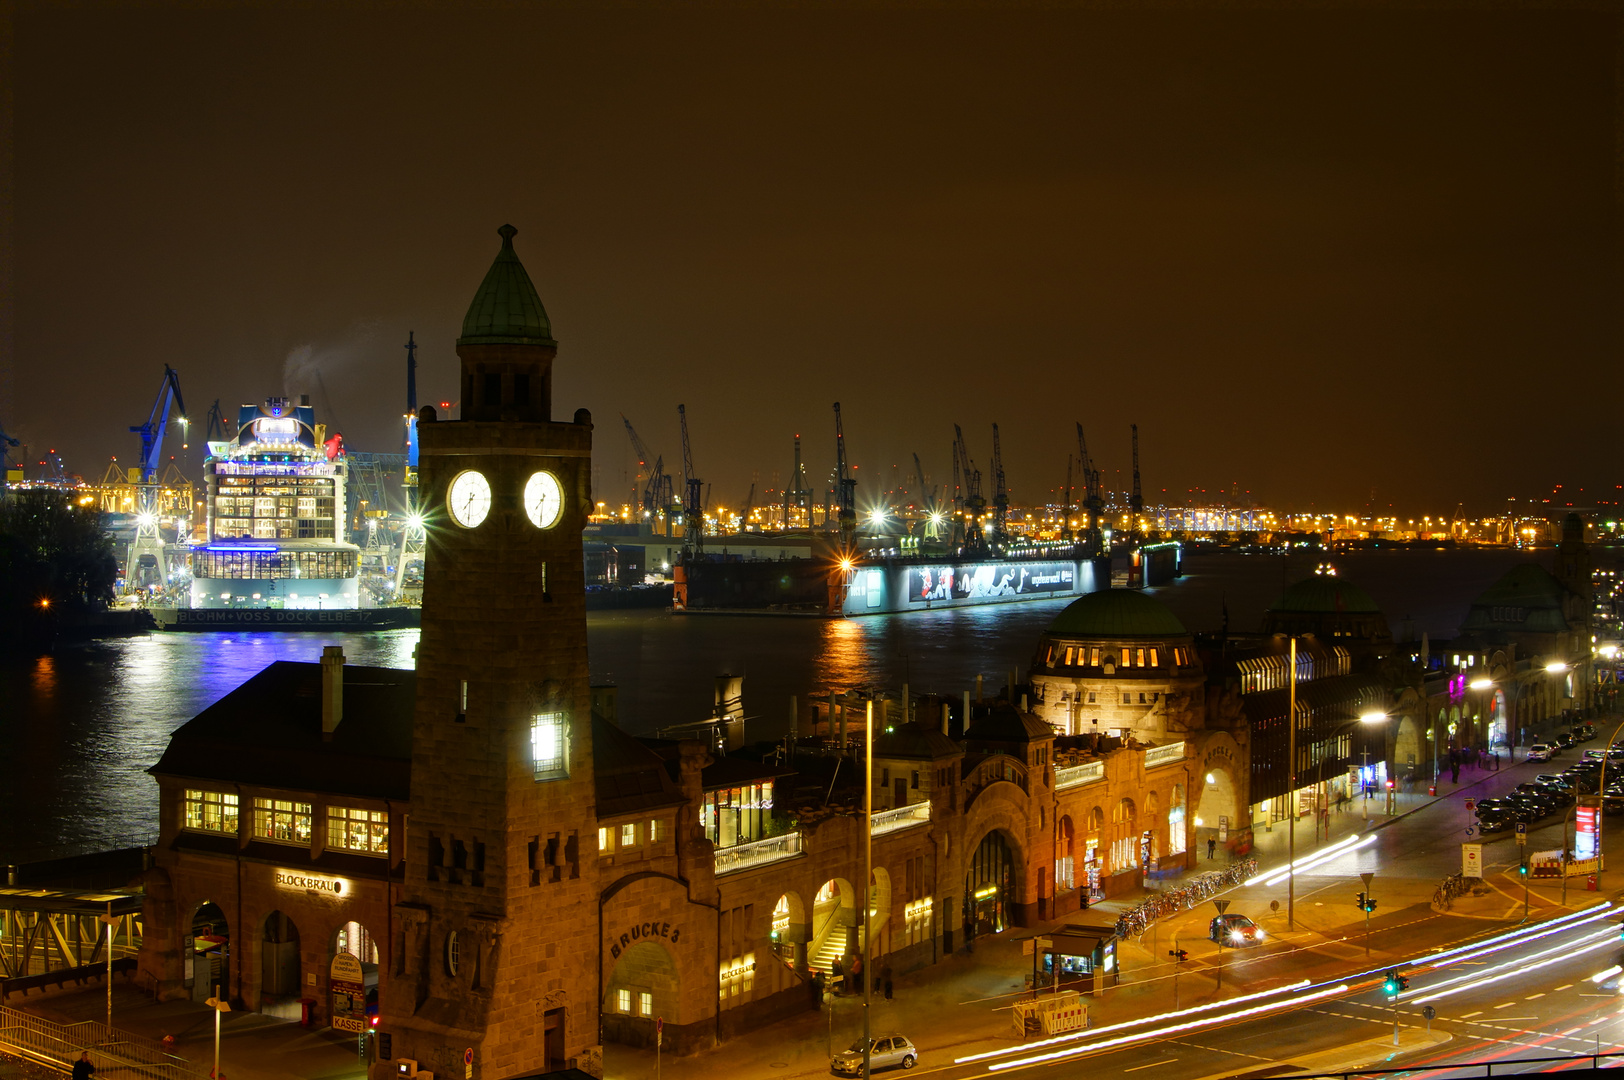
1312,254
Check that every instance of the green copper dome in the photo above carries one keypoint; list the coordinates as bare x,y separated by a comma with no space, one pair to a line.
506,309
1117,613
1325,593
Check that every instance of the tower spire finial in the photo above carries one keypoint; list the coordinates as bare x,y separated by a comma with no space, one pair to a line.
507,233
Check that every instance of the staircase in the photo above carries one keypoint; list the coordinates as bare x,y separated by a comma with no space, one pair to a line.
829,939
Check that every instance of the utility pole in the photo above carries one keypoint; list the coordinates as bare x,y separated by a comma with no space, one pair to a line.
1368,903
868,871
1291,794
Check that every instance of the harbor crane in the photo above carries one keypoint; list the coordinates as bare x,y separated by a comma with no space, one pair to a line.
1065,505
693,511
1093,502
1000,496
146,555
799,495
655,492
6,442
1136,501
927,502
847,513
971,507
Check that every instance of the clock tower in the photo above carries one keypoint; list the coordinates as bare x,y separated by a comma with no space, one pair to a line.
493,957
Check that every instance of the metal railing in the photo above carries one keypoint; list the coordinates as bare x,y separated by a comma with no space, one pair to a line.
113,1052
901,817
1164,755
1073,775
758,853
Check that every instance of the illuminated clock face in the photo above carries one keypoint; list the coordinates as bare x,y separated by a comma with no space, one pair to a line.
543,500
469,498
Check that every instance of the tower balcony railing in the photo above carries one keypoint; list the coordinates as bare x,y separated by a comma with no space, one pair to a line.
758,853
1075,775
902,817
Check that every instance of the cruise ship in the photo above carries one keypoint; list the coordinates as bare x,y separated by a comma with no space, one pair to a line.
275,556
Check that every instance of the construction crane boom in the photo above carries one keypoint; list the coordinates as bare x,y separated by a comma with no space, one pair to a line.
847,513
1137,500
1065,505
974,507
693,517
152,432
1000,494
1093,502
927,502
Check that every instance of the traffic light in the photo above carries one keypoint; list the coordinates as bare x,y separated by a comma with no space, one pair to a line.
1179,955
1391,985
1522,870
1365,903
1403,982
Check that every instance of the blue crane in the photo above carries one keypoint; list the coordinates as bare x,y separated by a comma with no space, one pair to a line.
152,432
145,564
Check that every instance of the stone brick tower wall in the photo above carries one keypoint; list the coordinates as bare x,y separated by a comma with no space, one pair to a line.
493,953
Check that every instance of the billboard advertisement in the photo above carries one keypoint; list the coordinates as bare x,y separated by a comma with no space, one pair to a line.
978,581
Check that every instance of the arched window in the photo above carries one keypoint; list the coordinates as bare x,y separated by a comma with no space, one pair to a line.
1064,867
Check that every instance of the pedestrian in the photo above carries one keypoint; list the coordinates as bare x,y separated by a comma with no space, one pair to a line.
83,1068
885,977
1212,849
837,971
815,989
857,973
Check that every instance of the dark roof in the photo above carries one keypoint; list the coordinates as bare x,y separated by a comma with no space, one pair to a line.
506,308
1326,593
1005,723
1117,613
1527,597
267,732
725,772
629,776
915,740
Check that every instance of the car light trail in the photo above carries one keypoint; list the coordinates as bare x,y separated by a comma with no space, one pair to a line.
1514,937
1341,847
1602,976
1606,939
1143,1020
1172,1029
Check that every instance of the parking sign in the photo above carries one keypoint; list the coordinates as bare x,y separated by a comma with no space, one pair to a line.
1522,834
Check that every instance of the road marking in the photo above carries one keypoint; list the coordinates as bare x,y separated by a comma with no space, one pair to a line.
1531,997
1567,986
1507,1005
1468,1016
1152,1065
1219,1050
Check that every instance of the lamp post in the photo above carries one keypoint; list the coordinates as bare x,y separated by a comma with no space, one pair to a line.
868,876
219,1005
1601,798
1291,800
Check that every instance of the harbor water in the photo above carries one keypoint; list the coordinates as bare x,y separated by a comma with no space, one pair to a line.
80,727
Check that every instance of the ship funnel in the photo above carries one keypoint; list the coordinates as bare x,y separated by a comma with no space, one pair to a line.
332,689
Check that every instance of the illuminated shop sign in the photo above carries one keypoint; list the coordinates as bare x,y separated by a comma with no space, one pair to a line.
287,879
975,582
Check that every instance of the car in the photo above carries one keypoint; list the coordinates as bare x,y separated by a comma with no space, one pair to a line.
1584,732
1539,752
1495,820
1559,796
1236,931
1583,783
1562,740
1534,805
888,1052
1554,780
1512,810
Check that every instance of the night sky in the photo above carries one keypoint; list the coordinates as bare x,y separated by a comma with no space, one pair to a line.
1315,255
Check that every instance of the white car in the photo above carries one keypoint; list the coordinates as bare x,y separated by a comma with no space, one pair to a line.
1539,752
889,1051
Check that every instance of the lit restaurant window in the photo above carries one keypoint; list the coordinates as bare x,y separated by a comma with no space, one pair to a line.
603,839
282,821
211,811
358,830
549,746
628,834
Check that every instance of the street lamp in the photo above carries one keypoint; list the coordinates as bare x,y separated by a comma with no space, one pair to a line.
219,1005
1364,800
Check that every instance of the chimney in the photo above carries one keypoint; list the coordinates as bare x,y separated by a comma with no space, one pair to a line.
332,689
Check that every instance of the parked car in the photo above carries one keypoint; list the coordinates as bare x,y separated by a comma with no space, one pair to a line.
888,1052
1555,780
1495,820
1514,809
1536,805
1539,752
1236,931
1559,796
1562,740
1584,732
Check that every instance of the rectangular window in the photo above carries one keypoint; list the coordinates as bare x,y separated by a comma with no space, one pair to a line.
283,821
1127,698
1094,656
1070,652
1139,658
549,746
603,840
645,1004
656,831
1091,697
628,834
1155,658
623,1000
211,811
358,830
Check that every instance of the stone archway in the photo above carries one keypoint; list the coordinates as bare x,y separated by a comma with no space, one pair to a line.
356,940
990,886
1217,811
1065,866
879,905
207,950
644,984
1177,844
834,920
790,931
1409,750
280,969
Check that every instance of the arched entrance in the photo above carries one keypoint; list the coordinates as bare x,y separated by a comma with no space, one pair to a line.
879,907
208,960
1065,869
353,938
1176,840
1218,812
834,917
643,985
1497,722
279,967
989,887
790,930
1408,753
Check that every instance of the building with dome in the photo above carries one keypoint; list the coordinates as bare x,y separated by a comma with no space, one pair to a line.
1332,609
1118,665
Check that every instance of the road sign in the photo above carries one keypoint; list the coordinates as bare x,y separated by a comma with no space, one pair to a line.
1366,877
1221,905
468,1064
1471,860
1471,805
348,986
1522,834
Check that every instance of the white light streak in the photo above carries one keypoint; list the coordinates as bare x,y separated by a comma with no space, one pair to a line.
1606,939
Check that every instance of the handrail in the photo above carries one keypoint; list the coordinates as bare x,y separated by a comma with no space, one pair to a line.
1073,775
758,853
900,817
56,1046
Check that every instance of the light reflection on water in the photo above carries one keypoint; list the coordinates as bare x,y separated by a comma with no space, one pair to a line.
80,728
